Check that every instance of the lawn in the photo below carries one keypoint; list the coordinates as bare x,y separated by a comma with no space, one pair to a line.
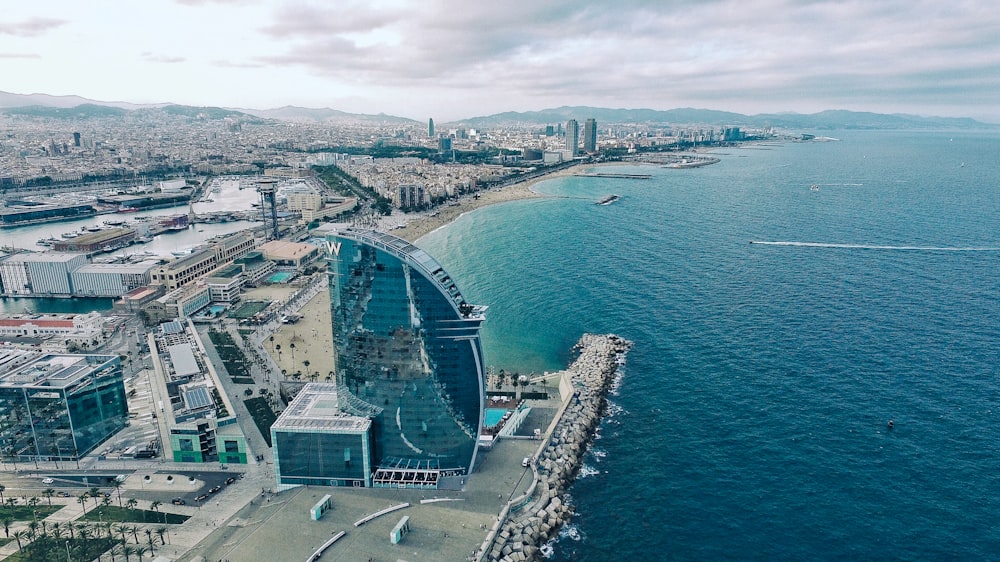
125,515
46,547
27,513
262,415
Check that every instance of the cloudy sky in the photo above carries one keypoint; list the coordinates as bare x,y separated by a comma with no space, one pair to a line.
450,59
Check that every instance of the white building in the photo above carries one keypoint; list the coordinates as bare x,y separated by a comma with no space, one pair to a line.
46,273
110,279
71,328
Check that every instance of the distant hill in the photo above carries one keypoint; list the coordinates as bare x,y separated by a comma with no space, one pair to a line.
8,99
325,115
82,111
830,119
76,107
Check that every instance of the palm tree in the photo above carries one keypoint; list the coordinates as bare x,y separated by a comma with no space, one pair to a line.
155,505
140,551
2,488
149,540
82,500
95,493
135,533
48,493
7,521
32,529
118,489
11,502
131,503
57,532
18,535
121,528
161,531
33,501
128,551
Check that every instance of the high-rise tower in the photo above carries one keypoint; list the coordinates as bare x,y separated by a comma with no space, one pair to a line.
572,136
590,135
430,127
409,368
267,187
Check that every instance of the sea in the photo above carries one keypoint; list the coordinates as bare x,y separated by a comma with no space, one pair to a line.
829,391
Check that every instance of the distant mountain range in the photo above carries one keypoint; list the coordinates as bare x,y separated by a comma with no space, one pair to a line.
76,107
830,119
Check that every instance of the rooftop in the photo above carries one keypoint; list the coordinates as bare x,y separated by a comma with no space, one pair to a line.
316,407
49,370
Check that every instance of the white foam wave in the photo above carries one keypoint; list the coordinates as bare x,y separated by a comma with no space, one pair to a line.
877,247
599,453
586,471
571,532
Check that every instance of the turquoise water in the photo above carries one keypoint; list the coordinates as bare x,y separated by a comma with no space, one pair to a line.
493,416
280,277
751,421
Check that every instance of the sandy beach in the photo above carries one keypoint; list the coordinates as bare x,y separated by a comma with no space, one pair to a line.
422,224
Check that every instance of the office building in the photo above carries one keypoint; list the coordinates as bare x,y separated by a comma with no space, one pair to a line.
572,136
430,128
408,360
58,406
590,136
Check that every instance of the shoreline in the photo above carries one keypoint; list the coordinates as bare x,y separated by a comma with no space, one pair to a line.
418,225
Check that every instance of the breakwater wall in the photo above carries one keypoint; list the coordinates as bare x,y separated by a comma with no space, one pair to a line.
529,520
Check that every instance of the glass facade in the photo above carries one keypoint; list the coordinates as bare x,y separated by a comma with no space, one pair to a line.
407,352
61,406
327,459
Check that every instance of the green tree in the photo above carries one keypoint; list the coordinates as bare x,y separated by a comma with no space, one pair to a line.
48,493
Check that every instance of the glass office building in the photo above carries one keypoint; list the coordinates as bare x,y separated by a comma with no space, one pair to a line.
58,406
407,356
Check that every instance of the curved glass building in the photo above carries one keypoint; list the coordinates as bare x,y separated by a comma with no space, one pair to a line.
407,357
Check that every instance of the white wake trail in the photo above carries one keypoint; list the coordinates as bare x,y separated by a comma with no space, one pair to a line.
876,247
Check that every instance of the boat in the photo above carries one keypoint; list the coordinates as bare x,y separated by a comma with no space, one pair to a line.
813,187
609,199
127,209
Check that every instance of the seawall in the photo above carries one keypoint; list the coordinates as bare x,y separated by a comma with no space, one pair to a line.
528,521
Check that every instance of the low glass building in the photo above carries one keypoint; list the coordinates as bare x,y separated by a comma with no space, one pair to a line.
58,406
407,357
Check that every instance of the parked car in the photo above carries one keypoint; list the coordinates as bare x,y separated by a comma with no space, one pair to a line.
214,489
178,501
202,497
230,480
47,480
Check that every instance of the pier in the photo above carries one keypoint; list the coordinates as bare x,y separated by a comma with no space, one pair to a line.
529,520
611,175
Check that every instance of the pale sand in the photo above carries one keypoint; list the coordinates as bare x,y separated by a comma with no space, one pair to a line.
420,226
313,340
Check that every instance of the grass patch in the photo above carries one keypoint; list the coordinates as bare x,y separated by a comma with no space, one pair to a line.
26,512
249,309
262,415
125,515
46,547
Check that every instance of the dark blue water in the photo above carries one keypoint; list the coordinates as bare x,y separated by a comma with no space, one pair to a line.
751,420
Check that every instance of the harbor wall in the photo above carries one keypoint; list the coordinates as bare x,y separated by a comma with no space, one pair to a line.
526,522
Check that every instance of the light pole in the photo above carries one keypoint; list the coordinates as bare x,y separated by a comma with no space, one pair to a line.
68,559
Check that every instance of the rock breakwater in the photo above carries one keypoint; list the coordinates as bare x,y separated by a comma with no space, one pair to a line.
530,520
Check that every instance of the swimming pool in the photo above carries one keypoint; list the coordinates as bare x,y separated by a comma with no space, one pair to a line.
493,416
280,277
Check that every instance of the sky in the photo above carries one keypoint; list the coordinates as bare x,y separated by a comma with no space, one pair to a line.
452,59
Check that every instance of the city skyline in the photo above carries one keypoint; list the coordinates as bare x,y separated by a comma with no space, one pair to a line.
448,61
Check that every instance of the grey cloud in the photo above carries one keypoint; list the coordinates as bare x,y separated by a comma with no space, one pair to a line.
30,28
721,49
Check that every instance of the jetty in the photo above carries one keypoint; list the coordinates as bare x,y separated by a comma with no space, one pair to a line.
611,175
528,521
